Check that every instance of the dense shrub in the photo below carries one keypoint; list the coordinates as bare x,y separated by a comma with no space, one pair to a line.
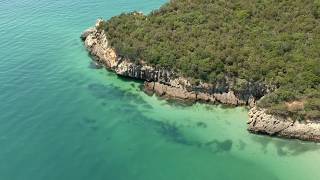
272,41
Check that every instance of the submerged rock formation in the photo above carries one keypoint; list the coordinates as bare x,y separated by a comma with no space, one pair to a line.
166,83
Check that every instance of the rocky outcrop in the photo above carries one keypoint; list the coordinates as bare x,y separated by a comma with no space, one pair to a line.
262,123
96,43
169,91
166,83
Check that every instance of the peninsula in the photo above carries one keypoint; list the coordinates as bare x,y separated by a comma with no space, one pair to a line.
260,54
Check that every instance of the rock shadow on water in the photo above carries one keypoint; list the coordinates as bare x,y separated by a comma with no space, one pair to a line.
130,79
180,103
133,85
95,65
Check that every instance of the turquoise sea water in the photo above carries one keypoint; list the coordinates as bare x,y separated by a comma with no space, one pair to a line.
60,119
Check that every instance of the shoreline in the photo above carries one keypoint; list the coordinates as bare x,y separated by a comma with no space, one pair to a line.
168,84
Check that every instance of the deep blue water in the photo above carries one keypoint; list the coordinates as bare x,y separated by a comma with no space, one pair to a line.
60,119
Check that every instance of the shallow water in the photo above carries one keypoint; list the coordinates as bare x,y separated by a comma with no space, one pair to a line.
62,119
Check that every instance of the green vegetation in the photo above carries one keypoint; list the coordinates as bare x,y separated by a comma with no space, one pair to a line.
276,42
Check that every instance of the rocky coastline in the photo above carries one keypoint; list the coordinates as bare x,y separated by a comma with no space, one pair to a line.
262,123
167,83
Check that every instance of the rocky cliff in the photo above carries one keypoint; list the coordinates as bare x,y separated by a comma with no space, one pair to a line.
262,123
169,84
165,82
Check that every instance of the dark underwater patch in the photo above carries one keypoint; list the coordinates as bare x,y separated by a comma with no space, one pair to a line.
169,131
220,146
104,92
94,128
227,122
173,134
286,147
202,125
130,79
179,103
112,92
242,145
90,123
127,105
294,147
101,90
89,120
147,106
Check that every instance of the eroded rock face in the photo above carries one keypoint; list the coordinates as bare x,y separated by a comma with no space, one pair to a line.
262,123
96,43
229,98
167,82
168,91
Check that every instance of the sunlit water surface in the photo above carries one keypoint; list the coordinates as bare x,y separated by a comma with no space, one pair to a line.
61,119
